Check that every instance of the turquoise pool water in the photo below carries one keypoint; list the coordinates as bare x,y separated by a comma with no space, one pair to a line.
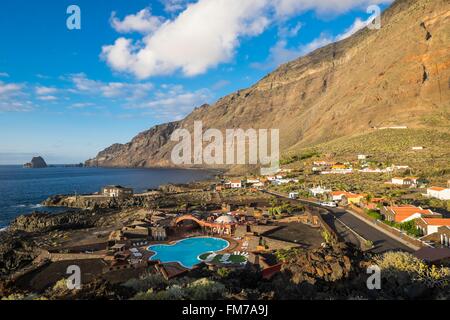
187,251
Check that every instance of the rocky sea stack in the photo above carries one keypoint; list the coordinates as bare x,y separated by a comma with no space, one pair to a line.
36,163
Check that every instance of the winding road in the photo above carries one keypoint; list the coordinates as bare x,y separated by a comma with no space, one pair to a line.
351,228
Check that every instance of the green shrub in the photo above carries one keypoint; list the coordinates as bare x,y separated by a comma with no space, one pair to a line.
223,272
374,214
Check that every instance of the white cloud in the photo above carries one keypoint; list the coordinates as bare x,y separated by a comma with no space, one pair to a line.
142,22
4,75
128,91
288,32
287,8
280,53
357,25
45,90
13,98
9,88
166,102
47,98
173,102
206,34
82,105
173,6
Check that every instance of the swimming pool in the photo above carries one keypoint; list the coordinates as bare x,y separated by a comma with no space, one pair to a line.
187,251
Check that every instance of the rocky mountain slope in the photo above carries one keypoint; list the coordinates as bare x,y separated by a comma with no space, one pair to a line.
396,76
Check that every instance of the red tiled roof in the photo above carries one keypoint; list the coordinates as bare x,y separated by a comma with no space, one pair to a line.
437,221
437,189
347,194
404,212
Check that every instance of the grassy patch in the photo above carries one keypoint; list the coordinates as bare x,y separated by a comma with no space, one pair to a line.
217,259
374,214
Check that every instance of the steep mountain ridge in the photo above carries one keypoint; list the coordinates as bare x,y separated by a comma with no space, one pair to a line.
399,75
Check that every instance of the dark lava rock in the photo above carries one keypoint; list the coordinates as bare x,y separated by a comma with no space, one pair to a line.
36,163
42,222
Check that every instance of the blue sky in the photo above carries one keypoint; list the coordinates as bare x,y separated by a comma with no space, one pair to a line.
67,94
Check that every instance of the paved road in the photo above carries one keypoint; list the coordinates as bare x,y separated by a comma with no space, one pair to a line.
340,220
382,242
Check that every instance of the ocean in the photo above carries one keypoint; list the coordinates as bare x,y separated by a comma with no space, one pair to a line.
22,190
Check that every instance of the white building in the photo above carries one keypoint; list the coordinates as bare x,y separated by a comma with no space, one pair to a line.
279,182
117,192
236,184
408,181
362,157
293,195
438,193
319,191
431,225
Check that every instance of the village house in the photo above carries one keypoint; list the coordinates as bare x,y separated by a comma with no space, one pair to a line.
236,184
405,182
318,191
440,238
362,157
407,213
117,192
136,232
439,193
293,195
280,176
279,182
428,226
352,198
374,203
339,168
323,163
252,181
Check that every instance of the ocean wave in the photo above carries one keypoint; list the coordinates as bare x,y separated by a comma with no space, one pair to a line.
30,206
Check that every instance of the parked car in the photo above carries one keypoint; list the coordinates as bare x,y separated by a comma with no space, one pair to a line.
329,204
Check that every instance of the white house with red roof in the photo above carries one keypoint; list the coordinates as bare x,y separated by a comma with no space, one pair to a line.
431,225
439,193
236,184
404,214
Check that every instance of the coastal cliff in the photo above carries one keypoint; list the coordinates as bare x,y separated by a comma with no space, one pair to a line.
396,76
